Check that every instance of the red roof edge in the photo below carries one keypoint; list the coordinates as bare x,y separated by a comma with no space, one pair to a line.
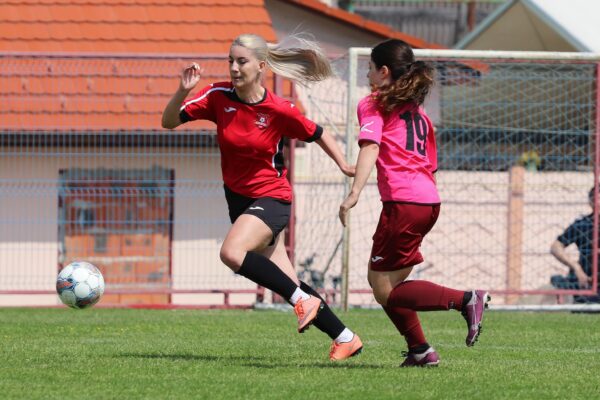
363,23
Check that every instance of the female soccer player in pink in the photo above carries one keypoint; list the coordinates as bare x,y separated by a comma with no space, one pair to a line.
251,124
397,135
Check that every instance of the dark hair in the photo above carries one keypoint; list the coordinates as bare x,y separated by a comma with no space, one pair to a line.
411,80
591,194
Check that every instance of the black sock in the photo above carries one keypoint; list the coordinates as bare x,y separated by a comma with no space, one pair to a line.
259,269
326,320
466,298
419,349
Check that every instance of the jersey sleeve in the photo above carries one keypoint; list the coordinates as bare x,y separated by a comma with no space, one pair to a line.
370,121
570,234
431,146
198,106
298,126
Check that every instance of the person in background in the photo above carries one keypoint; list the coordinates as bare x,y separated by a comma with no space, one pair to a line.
580,233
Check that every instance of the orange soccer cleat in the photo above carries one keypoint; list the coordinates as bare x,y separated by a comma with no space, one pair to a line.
306,311
342,351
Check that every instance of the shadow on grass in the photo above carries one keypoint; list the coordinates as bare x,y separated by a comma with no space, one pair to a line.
251,361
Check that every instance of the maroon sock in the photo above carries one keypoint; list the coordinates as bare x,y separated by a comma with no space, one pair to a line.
408,324
425,296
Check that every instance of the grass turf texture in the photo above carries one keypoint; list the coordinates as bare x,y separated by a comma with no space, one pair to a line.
185,354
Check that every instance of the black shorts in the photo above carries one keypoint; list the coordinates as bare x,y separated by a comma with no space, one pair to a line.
274,213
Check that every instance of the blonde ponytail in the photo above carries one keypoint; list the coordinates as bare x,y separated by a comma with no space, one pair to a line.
302,61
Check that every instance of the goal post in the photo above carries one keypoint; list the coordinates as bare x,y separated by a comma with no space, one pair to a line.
517,153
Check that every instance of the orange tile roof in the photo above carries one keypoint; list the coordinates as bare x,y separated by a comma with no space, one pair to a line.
86,65
65,81
93,92
187,26
363,23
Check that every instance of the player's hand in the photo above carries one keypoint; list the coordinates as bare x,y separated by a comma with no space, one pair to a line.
190,77
583,279
345,207
348,170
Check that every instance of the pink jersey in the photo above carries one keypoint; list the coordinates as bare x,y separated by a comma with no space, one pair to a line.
407,151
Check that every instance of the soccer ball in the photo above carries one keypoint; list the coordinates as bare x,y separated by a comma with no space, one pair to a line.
80,285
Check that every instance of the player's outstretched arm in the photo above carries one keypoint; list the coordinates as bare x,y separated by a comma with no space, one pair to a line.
189,79
329,146
558,251
369,151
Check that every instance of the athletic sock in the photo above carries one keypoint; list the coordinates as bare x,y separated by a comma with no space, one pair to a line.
344,337
326,320
420,349
466,298
425,296
408,324
259,269
298,295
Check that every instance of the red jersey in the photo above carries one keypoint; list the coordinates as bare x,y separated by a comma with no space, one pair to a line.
250,137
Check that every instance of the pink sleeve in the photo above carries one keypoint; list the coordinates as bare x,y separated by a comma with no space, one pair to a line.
431,145
198,106
370,120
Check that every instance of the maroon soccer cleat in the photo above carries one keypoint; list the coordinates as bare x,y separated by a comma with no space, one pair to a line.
429,358
473,314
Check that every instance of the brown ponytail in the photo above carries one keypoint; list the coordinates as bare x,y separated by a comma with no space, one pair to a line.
411,80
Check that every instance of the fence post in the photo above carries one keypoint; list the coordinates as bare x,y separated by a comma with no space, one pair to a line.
350,111
515,231
596,211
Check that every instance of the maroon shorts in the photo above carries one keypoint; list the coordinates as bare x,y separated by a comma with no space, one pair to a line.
399,234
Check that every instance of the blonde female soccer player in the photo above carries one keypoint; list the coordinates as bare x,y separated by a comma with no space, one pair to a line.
251,124
397,135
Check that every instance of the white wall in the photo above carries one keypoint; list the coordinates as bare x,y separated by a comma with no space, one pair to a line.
29,216
467,248
335,37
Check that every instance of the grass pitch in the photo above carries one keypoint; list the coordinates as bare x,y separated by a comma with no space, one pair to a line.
191,354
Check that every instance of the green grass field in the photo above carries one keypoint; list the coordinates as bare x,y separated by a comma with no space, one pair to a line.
193,354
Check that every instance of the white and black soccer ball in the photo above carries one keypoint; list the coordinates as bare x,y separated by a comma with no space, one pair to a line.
80,285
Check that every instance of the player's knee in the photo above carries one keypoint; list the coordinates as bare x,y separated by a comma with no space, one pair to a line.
381,296
232,257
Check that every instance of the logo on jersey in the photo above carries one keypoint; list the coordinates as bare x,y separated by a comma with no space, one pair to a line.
256,208
364,127
229,109
376,258
262,120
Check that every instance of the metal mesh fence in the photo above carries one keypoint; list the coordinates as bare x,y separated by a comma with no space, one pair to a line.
86,173
516,147
438,21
